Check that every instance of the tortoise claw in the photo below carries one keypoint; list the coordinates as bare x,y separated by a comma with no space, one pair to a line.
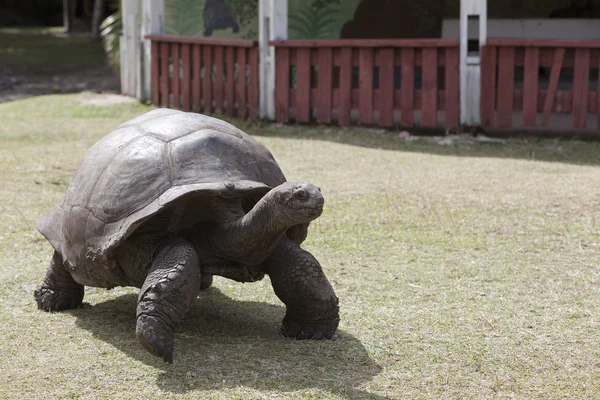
155,338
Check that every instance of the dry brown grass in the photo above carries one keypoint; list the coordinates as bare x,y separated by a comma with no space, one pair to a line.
464,271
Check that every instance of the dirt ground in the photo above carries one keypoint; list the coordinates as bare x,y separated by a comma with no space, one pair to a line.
16,86
30,66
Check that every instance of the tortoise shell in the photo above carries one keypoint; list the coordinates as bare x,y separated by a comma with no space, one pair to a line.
147,164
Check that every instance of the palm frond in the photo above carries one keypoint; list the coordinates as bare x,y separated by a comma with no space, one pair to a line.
110,30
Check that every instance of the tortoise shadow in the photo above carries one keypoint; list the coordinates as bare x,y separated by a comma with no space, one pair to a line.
224,343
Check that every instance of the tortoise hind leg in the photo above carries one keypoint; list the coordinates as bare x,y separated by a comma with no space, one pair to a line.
299,282
171,285
59,290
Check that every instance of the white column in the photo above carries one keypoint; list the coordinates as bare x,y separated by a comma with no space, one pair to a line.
272,25
129,47
153,16
470,64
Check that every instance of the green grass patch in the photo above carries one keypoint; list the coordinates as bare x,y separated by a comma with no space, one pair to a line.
463,271
45,52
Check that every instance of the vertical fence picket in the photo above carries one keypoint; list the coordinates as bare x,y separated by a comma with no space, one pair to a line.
598,96
207,84
530,85
559,55
253,89
506,78
407,86
488,85
196,78
282,84
241,83
345,107
429,92
185,83
324,84
365,85
230,84
303,64
452,90
386,87
219,90
164,77
175,82
155,72
581,87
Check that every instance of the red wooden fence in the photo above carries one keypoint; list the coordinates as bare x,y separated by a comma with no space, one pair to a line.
317,79
205,75
539,76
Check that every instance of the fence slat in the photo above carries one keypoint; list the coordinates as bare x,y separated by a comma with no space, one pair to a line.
164,77
407,86
386,87
185,84
581,87
429,92
488,85
530,85
324,84
506,77
282,84
452,90
559,55
175,78
253,89
196,78
303,85
155,73
241,83
207,92
219,90
365,85
345,86
230,89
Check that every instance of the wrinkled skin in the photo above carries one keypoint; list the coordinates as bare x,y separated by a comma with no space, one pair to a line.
171,269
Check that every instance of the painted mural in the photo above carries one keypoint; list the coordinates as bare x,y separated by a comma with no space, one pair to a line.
212,18
333,19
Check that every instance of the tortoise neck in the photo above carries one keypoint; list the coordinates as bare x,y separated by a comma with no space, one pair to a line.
251,238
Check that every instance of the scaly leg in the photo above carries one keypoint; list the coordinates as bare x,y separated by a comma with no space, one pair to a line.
59,291
172,283
299,282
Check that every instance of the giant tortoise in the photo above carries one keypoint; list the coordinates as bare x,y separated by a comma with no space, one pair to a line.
170,199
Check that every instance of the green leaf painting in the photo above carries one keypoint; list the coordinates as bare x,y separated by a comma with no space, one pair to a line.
307,19
188,18
319,19
184,17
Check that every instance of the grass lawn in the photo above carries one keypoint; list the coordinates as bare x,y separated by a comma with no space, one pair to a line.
467,271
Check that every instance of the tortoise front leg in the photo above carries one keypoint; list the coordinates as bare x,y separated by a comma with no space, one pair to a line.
59,290
299,282
172,283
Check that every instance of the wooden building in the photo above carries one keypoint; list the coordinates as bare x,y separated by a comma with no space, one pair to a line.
501,73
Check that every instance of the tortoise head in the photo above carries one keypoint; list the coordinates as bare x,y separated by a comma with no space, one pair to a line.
297,203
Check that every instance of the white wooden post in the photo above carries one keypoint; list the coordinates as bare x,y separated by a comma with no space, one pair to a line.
272,25
130,47
470,64
153,16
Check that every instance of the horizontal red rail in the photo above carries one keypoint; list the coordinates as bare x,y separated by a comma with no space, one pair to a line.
518,42
381,43
202,40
